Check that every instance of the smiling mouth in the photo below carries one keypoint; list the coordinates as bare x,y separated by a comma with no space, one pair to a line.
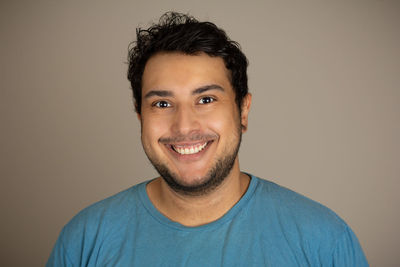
187,149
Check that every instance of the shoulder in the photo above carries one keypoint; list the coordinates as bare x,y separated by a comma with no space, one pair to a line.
293,204
97,227
105,216
306,227
298,215
113,206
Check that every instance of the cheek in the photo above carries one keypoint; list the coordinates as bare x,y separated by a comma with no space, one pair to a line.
223,122
153,128
217,125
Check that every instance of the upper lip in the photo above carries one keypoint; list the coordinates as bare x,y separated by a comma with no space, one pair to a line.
188,140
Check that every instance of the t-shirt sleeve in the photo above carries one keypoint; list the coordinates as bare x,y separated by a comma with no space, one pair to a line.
348,252
59,256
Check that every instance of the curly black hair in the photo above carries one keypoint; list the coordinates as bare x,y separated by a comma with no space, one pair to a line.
177,32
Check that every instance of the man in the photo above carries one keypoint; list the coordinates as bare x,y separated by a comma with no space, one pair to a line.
191,97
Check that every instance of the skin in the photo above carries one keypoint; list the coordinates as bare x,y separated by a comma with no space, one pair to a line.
188,102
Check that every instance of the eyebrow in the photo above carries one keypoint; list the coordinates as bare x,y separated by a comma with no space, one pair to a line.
207,88
161,93
200,90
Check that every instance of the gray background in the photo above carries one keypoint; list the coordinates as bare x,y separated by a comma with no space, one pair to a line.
324,120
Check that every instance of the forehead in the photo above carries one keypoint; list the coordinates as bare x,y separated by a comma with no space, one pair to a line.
177,70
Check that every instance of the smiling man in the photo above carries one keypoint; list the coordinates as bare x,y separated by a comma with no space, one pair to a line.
191,97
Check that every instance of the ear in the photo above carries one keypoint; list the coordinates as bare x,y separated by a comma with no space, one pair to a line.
245,108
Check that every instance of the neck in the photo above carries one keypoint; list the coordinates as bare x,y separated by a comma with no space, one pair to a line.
198,210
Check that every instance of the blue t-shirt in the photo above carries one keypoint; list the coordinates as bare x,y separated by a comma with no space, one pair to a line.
269,226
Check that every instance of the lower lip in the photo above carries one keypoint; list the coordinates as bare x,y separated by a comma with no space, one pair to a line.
189,157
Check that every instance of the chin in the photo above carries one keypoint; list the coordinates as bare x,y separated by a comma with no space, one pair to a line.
191,181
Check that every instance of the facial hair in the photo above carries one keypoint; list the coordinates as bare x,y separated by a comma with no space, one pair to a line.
215,176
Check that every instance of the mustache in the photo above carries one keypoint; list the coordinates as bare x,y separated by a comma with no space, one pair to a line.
187,138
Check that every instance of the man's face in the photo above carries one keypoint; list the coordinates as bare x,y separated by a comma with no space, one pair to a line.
191,125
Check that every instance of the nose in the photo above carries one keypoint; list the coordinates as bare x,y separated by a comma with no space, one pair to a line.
186,121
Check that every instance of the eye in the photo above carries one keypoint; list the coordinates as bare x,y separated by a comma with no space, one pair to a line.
162,104
206,100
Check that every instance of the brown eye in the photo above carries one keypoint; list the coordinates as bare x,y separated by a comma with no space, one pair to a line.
206,100
162,104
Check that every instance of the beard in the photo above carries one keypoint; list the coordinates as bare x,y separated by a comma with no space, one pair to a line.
214,177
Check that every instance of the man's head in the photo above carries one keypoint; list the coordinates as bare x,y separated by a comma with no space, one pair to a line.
177,32
190,86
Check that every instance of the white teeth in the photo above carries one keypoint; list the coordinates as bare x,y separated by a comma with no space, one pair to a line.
188,150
